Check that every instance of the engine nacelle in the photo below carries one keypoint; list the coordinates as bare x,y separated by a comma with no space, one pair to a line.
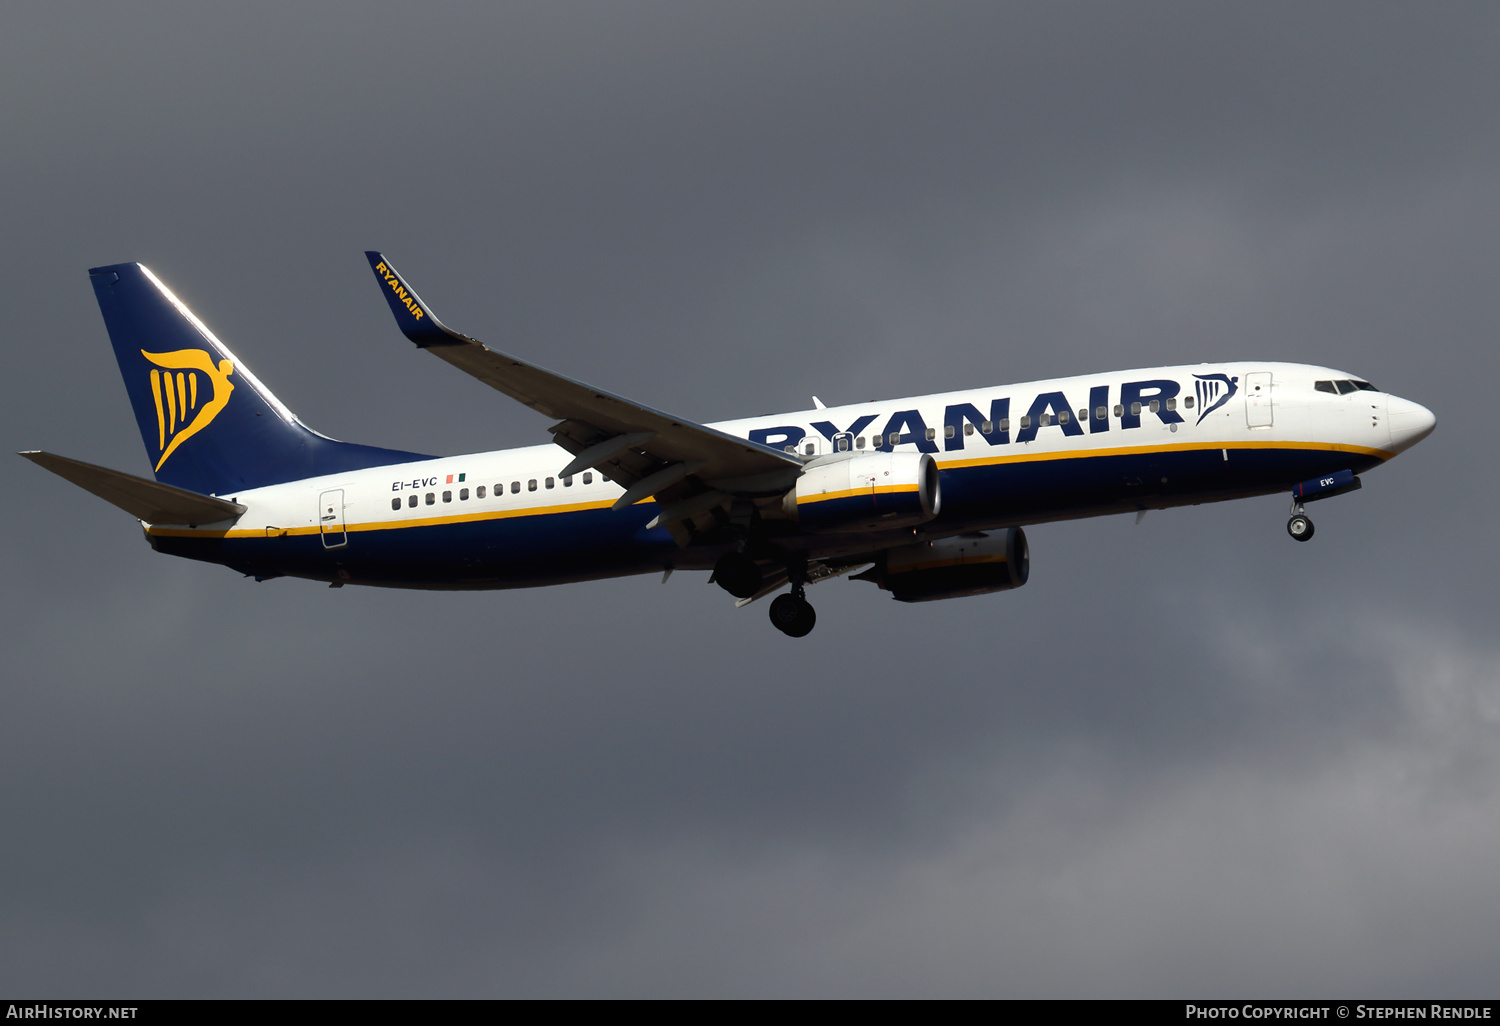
866,491
954,567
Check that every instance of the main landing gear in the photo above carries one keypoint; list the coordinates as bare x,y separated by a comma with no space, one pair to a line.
737,574
792,614
1300,526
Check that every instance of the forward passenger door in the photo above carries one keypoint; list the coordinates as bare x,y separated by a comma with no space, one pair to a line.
1258,412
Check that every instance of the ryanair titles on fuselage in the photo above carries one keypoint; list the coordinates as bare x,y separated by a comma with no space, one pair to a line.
1156,397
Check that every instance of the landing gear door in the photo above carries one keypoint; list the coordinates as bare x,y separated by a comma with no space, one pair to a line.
1258,399
331,519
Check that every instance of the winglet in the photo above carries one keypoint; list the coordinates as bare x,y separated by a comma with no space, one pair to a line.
414,317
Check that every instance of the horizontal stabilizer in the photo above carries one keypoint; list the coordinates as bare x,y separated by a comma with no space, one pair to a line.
151,501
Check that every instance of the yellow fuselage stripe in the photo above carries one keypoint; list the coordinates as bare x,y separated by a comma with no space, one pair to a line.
1075,454
855,492
380,525
1010,457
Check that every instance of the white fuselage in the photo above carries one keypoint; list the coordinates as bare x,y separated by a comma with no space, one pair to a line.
1080,446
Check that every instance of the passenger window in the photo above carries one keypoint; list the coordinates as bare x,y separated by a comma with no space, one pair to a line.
968,429
1345,387
1083,415
550,482
859,443
808,449
1044,419
792,449
431,498
531,485
1188,403
396,503
1155,406
895,438
1171,404
1025,421
588,478
568,481
1120,410
932,434
447,496
515,486
948,431
463,493
1004,424
1135,409
1325,386
843,445
1064,416
987,428
411,501
479,492
1100,413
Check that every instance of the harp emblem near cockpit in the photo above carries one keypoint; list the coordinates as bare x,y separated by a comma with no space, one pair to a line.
177,391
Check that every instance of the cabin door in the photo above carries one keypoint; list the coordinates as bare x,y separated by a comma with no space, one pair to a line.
1258,399
331,519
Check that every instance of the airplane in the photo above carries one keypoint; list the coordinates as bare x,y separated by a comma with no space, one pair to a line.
927,497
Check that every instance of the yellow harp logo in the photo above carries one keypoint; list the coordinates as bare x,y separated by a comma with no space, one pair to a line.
175,389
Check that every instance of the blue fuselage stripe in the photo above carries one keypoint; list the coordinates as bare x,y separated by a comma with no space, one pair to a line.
556,547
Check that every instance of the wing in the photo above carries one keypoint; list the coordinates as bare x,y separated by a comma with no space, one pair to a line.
688,468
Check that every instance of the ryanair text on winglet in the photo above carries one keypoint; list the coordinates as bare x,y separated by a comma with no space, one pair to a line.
399,289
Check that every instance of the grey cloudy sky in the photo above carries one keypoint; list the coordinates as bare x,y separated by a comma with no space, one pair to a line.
1190,758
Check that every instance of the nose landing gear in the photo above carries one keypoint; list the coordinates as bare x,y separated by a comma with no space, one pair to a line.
1300,526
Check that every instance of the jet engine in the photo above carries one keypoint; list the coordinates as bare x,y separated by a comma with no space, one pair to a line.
953,567
866,491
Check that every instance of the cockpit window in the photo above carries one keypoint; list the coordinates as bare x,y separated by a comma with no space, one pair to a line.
1344,387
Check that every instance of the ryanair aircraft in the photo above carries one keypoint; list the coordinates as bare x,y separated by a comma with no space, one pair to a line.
925,497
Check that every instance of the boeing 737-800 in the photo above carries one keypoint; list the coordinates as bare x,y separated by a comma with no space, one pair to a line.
926,497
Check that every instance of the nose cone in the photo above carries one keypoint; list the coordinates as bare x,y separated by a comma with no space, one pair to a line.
1410,422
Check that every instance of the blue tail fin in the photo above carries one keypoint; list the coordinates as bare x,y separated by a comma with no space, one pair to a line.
208,424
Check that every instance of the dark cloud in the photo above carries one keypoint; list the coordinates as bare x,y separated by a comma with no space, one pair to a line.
1189,757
